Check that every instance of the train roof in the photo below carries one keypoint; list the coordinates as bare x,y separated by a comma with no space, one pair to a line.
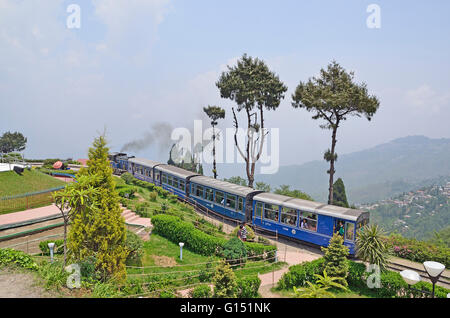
144,162
176,171
223,185
310,206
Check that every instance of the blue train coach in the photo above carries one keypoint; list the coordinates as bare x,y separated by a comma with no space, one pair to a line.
306,221
228,199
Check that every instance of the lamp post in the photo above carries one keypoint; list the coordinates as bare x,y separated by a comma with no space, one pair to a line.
433,269
51,246
181,250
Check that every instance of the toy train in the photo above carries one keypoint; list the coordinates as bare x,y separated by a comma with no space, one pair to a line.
302,220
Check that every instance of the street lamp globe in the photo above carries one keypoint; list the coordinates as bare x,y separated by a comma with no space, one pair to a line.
434,269
410,277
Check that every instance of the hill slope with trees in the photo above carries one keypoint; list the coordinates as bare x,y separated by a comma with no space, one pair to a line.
373,174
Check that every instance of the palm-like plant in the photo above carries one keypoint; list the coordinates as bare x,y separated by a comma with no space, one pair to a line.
329,281
371,247
313,291
320,289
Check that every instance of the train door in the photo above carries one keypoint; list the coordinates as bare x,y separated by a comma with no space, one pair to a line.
248,209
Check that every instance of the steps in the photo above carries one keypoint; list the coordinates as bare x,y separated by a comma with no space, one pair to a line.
134,219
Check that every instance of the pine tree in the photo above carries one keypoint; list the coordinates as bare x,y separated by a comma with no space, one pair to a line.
339,196
98,229
335,259
225,284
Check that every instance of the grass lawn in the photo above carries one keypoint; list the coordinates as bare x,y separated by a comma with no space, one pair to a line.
12,183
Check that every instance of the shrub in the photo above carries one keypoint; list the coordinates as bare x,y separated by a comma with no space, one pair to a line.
299,274
258,251
53,274
176,230
127,192
134,246
418,251
58,249
167,294
371,247
234,251
248,287
201,291
335,259
9,256
127,178
225,283
173,198
87,268
153,195
356,274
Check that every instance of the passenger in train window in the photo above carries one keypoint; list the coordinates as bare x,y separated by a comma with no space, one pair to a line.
341,230
304,224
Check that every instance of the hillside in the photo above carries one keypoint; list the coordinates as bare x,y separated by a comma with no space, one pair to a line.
373,174
12,183
415,214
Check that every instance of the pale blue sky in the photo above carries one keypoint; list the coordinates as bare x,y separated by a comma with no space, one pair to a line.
134,63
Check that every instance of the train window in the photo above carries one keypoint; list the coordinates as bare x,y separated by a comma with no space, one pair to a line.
308,221
240,204
271,212
164,178
219,197
193,186
199,191
361,224
209,194
349,231
259,208
289,216
231,201
181,185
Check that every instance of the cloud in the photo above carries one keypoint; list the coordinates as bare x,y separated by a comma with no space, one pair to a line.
132,25
425,98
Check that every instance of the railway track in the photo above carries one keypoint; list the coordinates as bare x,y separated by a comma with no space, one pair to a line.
443,281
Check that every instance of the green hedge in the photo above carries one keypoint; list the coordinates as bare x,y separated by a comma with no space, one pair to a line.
392,284
176,230
418,251
201,291
9,256
248,287
299,274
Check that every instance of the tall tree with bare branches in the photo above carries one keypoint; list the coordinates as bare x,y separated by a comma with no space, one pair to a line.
333,97
214,113
254,88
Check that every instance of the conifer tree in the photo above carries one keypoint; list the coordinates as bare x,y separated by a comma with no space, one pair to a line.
339,196
98,229
225,284
335,259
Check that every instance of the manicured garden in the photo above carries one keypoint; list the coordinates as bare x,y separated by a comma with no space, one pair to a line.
12,183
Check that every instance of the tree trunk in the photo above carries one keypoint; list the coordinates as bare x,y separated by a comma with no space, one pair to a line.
214,154
333,146
65,241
